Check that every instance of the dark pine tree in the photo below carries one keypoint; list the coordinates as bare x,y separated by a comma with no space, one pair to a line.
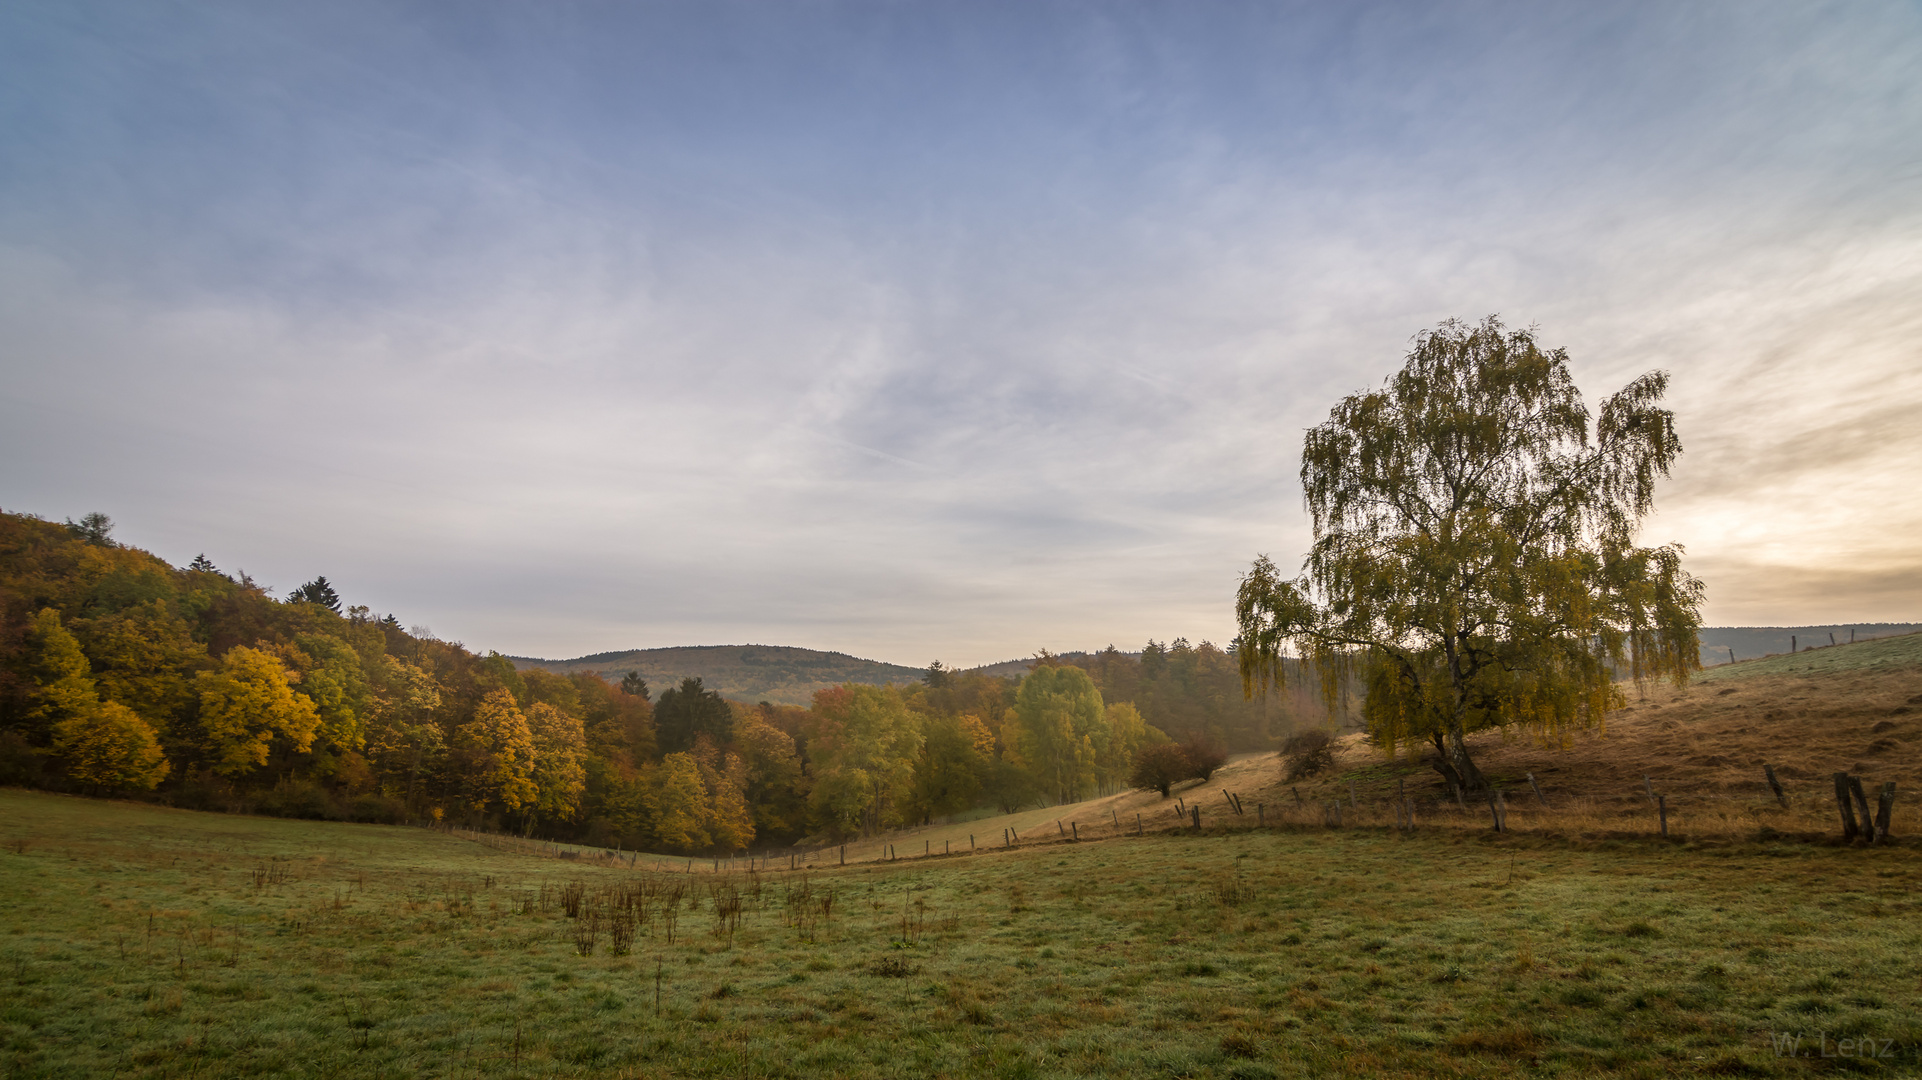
317,591
689,711
632,683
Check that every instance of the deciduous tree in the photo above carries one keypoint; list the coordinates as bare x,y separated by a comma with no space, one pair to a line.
244,704
1474,555
111,747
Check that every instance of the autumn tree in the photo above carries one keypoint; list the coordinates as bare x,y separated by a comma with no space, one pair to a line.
1126,733
948,775
64,685
103,743
560,760
679,805
498,752
1058,725
1474,557
402,735
865,746
244,704
110,746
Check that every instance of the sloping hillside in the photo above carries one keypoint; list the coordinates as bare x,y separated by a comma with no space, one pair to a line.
779,673
1850,708
1753,642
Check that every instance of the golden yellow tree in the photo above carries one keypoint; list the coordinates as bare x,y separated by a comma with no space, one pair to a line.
500,754
678,802
110,746
244,704
560,759
104,744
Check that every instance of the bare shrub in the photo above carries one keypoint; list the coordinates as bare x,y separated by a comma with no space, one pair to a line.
587,931
1308,752
1233,892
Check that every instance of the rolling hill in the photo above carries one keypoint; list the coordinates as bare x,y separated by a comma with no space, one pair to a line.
781,674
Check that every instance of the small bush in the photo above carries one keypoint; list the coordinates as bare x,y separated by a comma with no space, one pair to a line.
1308,752
378,809
1204,758
1158,768
295,799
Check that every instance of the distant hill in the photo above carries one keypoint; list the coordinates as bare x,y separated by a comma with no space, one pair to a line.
779,673
1751,642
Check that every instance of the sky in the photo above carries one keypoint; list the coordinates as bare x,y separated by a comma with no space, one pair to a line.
924,330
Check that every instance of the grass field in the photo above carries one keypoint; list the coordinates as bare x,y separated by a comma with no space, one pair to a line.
149,942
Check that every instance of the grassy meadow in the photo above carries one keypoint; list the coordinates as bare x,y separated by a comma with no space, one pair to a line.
141,941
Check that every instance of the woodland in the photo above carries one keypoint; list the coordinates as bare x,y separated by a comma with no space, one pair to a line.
123,675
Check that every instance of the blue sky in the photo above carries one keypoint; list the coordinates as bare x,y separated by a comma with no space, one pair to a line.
925,330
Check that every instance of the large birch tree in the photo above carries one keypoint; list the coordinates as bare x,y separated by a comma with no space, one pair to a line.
1474,557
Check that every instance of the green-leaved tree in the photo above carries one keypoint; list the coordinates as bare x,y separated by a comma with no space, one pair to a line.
1474,558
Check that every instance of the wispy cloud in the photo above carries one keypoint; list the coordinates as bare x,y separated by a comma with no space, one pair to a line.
927,331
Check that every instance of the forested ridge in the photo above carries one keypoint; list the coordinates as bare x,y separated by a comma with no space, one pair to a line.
781,674
121,674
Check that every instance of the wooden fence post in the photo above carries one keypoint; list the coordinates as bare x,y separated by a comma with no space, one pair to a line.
1494,812
1775,785
970,841
1261,815
1884,810
1538,791
1138,831
1648,786
1297,792
1196,811
1661,807
1862,808
1076,826
1115,816
1842,802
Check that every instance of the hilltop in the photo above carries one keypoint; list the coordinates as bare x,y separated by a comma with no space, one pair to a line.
782,674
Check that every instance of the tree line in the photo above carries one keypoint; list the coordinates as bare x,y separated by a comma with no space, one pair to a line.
121,674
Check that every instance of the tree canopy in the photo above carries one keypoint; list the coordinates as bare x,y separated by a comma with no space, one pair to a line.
1474,557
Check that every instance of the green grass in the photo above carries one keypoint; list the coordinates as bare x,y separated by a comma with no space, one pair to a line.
147,942
1880,653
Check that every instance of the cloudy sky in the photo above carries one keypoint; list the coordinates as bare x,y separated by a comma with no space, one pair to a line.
927,329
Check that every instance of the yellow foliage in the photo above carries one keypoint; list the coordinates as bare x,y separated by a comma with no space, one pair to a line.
245,703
